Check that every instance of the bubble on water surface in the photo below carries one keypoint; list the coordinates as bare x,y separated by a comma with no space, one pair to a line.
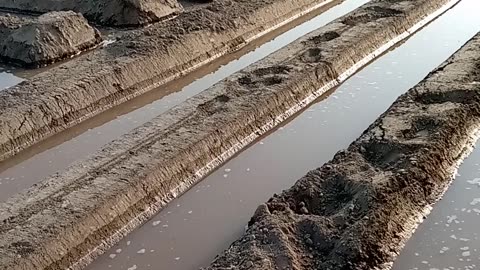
475,201
444,249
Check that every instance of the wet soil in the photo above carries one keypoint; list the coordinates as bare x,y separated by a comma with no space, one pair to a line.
201,223
137,62
357,210
34,42
97,201
106,12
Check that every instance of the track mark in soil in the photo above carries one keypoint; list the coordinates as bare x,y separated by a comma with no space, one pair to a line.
327,36
265,76
365,17
454,96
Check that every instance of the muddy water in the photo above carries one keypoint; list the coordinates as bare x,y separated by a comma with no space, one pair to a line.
7,78
77,143
205,220
449,237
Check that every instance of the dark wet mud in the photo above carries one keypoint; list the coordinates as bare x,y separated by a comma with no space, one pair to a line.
35,42
106,12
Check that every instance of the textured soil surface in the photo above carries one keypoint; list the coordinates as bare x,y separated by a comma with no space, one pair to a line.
105,12
357,211
60,220
53,36
138,61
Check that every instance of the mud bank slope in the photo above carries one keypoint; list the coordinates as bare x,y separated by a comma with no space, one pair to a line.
46,39
106,12
357,211
139,62
62,220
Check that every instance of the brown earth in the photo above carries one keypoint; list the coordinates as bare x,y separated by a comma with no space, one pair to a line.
357,211
139,61
34,42
105,12
92,204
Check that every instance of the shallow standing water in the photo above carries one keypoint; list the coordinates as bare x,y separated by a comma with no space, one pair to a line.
7,78
44,159
192,229
449,238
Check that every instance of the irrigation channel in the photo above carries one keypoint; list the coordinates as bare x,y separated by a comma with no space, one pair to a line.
192,229
61,150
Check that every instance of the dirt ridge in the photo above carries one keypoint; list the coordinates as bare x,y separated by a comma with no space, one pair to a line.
358,210
62,219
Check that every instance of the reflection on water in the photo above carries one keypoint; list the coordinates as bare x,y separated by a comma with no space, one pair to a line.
204,221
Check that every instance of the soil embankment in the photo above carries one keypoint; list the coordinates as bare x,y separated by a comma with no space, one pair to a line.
105,12
62,220
34,42
137,62
357,211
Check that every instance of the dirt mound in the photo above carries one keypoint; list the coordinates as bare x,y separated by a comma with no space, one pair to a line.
46,39
106,12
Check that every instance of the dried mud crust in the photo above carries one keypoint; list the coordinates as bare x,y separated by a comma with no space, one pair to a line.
105,12
34,42
357,211
137,62
58,221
